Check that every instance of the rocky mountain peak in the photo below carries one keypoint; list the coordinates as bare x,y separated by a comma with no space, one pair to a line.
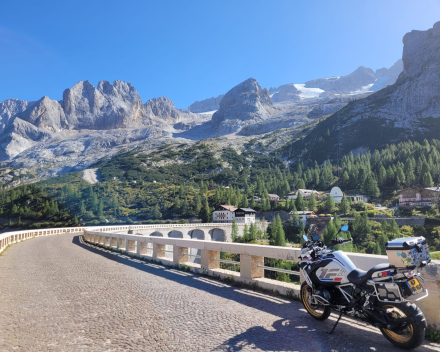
162,108
205,105
246,102
421,51
46,114
286,92
406,110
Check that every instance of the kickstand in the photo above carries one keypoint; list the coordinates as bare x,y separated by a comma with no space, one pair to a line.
337,321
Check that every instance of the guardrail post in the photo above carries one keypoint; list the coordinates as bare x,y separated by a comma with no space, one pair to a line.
249,266
138,248
143,248
158,250
207,261
131,246
180,254
113,242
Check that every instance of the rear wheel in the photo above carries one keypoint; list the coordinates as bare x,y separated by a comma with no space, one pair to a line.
411,336
314,308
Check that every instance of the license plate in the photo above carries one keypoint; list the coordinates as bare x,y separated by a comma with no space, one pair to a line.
414,285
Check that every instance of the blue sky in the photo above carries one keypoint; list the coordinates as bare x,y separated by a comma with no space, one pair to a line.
189,50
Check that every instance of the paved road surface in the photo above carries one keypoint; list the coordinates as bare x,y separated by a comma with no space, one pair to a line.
57,294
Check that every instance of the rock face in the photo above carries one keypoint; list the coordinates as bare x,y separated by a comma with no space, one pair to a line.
84,107
286,92
10,108
210,104
244,104
162,109
46,114
106,107
407,110
18,136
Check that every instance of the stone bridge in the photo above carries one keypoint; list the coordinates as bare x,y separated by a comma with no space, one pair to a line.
60,293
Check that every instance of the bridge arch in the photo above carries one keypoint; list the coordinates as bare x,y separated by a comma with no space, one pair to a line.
196,234
175,234
157,233
217,235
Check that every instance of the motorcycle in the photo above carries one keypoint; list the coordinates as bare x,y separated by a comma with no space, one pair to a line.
381,296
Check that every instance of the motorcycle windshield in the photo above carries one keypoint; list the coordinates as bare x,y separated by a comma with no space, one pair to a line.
344,260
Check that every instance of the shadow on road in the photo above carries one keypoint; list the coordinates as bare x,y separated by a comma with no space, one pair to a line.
295,327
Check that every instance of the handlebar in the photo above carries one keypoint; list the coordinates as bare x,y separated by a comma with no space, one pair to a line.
340,241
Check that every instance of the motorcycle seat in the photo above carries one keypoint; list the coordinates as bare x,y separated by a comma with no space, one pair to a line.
359,277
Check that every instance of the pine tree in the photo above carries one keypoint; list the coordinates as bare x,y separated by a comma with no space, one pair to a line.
427,180
198,204
82,208
246,233
377,249
15,209
382,241
277,234
234,232
344,206
299,203
394,229
206,212
311,204
370,186
330,204
100,208
252,232
156,212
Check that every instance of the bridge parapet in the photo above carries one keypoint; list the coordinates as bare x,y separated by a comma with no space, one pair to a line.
252,262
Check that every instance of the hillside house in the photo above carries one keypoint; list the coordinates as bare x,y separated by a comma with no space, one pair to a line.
245,216
305,193
337,195
303,215
273,197
418,196
256,199
224,213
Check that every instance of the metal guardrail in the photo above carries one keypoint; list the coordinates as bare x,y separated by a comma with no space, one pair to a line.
227,261
279,270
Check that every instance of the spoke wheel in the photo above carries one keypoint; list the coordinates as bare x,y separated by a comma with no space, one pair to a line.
314,308
403,336
412,335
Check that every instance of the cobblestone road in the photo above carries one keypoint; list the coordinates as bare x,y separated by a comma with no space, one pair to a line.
57,294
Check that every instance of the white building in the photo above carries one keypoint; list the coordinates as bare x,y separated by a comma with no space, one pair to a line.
303,214
337,194
224,213
245,216
305,193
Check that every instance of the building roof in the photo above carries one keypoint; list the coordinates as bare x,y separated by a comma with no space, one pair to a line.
273,195
303,191
434,189
248,210
228,207
303,212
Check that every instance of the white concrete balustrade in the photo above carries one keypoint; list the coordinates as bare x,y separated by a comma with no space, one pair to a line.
178,244
251,259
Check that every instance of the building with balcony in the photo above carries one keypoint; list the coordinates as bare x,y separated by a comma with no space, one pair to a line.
418,196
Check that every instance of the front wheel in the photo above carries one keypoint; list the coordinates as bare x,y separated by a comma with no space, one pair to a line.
314,308
410,337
